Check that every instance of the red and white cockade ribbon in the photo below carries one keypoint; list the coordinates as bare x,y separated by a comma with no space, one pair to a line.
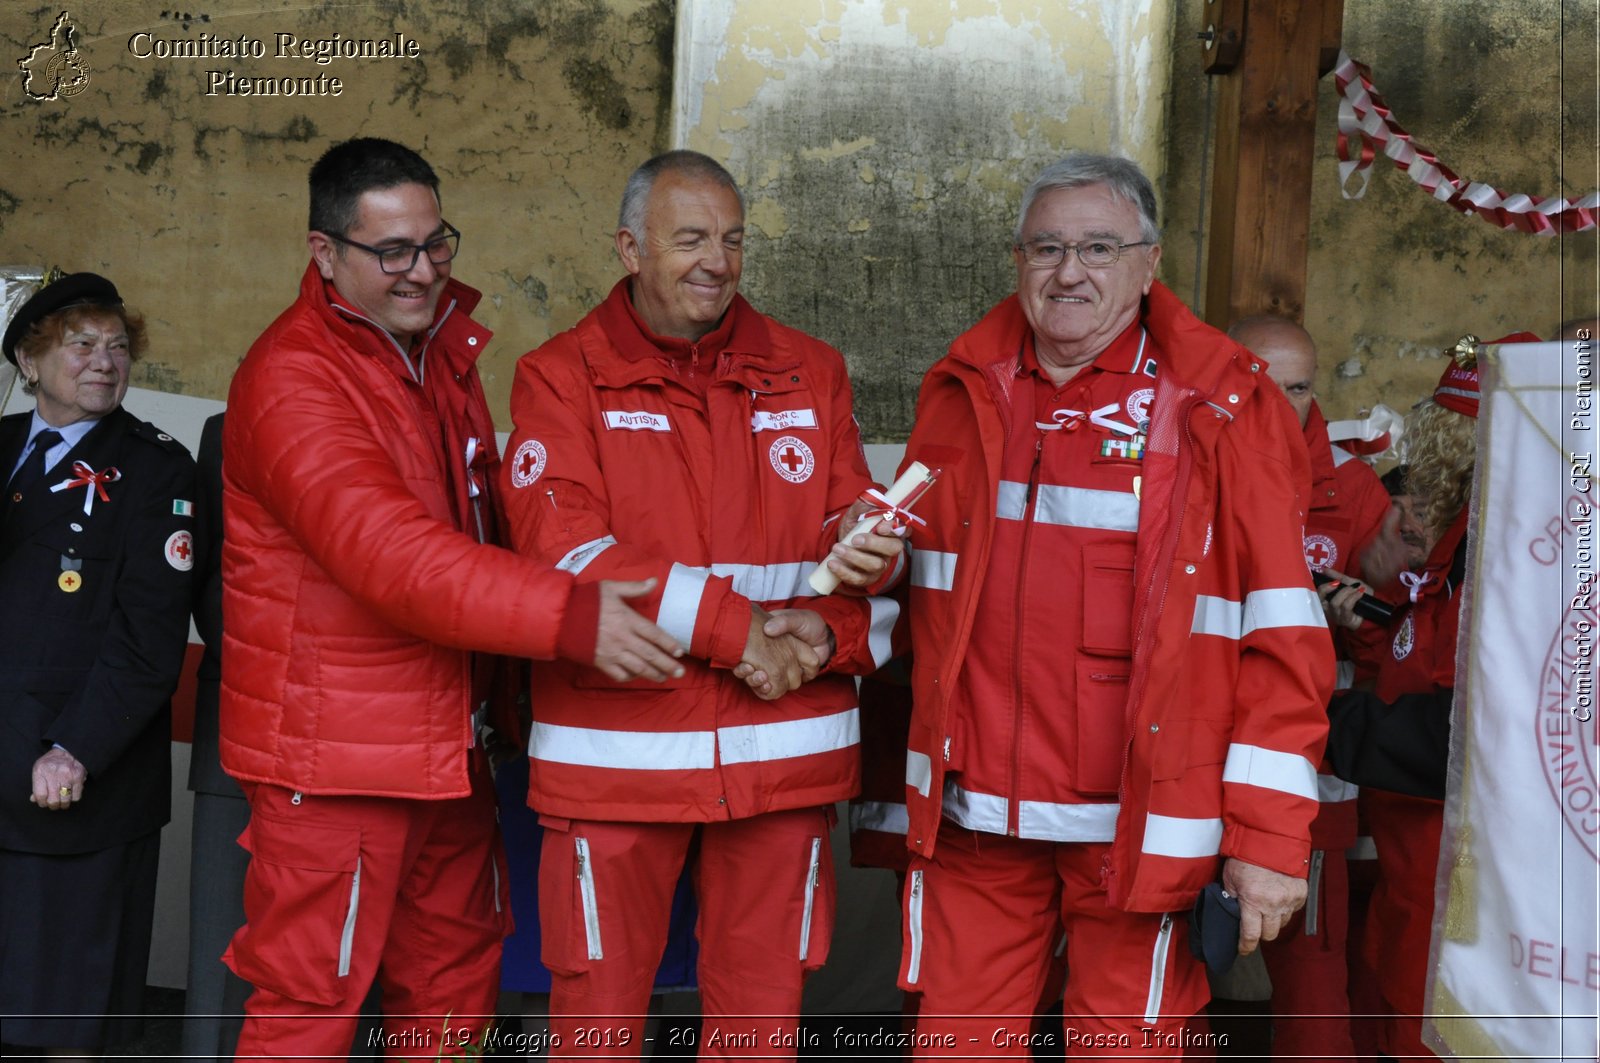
1414,583
94,481
893,505
1362,113
900,517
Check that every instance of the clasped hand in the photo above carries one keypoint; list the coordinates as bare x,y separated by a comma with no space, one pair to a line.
785,648
863,560
58,779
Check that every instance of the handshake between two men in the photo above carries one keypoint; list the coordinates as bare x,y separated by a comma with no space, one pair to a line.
788,647
785,648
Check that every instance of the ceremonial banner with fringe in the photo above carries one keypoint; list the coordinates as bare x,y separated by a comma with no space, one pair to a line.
1516,941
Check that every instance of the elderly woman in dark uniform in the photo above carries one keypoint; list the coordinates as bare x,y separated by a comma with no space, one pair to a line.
95,553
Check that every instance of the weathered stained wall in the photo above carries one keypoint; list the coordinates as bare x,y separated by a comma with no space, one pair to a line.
884,147
1505,92
532,111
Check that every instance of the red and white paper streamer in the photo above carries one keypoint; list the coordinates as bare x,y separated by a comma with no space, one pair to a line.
1363,114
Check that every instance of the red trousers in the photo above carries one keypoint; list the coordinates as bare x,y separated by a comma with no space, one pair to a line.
342,890
1407,832
981,919
766,890
1310,998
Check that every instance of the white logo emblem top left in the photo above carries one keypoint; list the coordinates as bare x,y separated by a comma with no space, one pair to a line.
792,459
180,551
527,465
54,68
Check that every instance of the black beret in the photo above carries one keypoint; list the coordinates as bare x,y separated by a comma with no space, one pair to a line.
75,289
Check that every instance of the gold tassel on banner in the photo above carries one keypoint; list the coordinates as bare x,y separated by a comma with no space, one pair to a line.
1461,915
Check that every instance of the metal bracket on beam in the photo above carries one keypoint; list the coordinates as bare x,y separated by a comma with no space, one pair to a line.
1223,36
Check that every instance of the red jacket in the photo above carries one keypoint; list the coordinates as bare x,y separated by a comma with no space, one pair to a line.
720,469
351,594
1231,662
1348,507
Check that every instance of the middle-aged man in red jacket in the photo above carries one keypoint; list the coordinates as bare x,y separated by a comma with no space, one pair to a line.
1347,509
677,433
1120,665
363,592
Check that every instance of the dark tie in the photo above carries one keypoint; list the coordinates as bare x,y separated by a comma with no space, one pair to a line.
30,477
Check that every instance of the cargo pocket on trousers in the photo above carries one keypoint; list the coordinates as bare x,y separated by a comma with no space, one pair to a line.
569,903
1102,730
302,897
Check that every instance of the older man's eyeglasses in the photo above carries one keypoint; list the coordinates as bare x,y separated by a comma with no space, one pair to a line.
402,258
1094,254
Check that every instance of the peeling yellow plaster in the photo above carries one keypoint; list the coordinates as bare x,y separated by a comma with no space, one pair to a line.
772,171
768,216
838,149
926,23
867,175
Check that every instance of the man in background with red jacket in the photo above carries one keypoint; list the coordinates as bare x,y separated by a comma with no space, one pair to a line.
1348,506
1119,664
678,434
363,589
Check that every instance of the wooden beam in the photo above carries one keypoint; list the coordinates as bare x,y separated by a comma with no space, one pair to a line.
1263,141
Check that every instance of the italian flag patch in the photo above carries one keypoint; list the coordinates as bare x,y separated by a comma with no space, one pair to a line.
182,508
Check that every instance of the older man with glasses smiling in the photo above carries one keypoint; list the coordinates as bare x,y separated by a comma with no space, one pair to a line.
1120,666
364,597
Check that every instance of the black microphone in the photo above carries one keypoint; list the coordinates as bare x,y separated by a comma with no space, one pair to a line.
1375,609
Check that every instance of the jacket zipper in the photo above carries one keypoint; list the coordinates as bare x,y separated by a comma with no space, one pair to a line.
914,928
591,905
813,876
347,937
494,868
1180,497
1029,507
1313,894
1158,970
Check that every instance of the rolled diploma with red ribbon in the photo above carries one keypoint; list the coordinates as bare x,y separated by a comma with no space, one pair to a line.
912,481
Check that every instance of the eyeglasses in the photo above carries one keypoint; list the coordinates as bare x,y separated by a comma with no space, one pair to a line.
402,258
1094,254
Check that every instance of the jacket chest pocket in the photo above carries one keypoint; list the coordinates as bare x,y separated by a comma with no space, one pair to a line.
1108,599
70,570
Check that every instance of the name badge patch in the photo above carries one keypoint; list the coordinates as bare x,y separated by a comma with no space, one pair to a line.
637,420
782,420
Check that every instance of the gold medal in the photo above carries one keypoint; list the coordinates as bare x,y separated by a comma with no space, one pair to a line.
69,581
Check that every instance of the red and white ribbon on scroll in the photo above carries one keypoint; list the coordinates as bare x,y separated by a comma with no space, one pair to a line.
1363,114
894,506
94,481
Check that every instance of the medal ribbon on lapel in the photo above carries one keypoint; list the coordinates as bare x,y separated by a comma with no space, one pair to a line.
94,481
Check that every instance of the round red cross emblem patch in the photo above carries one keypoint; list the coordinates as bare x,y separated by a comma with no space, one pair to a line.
792,459
180,551
527,463
1321,552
